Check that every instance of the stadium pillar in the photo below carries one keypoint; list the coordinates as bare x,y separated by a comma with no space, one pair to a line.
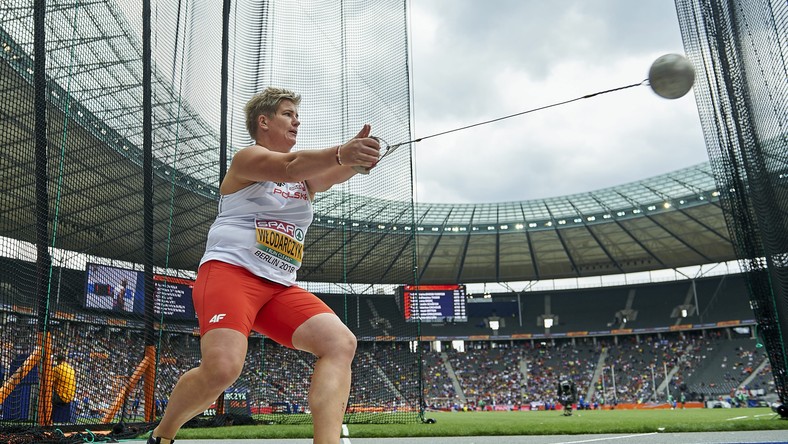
43,259
45,395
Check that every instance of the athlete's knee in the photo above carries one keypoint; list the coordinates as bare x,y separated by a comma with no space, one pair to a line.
222,373
347,345
223,353
340,344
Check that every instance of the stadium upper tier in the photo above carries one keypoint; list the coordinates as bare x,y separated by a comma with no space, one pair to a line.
667,221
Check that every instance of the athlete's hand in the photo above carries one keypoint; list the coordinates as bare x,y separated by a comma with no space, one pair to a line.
360,152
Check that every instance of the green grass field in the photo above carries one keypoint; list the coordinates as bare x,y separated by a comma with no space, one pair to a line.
527,423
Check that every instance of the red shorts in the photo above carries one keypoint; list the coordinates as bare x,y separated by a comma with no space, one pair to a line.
229,296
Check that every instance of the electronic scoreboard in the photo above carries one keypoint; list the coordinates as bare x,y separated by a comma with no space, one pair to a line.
434,303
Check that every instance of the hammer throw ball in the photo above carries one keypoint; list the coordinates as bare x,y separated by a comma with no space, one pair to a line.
671,76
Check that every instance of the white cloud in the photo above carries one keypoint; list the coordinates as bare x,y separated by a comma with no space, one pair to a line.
475,61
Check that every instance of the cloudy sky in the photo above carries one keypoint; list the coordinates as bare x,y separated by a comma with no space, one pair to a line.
477,60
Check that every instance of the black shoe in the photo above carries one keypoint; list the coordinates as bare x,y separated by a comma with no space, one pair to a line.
158,440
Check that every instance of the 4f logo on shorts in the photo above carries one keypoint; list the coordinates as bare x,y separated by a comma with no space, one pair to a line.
217,317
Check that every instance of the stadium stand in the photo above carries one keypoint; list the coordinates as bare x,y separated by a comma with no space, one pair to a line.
727,364
573,308
680,355
548,363
712,364
721,299
439,385
489,376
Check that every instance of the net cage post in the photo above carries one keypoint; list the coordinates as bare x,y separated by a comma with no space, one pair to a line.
43,259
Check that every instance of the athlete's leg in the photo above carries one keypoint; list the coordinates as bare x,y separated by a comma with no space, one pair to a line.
298,319
325,336
225,314
223,353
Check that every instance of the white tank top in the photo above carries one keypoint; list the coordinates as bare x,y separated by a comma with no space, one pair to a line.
262,228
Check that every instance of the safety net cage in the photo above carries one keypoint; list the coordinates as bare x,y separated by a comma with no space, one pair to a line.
739,48
119,118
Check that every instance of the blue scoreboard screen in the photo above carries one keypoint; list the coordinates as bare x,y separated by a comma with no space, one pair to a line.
434,303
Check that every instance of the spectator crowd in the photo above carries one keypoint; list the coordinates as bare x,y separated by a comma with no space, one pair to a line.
701,366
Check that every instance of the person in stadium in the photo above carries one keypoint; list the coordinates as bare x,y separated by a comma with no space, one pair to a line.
120,296
64,387
246,278
567,394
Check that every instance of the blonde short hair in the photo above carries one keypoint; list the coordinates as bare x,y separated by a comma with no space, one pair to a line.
266,103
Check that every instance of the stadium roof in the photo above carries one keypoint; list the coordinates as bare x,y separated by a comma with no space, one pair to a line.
668,221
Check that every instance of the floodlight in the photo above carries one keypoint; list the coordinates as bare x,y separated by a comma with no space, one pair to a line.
683,311
547,320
